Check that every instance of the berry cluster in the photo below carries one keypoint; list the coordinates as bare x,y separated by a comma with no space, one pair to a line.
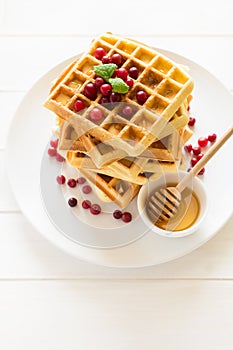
86,204
94,208
126,216
73,183
196,151
52,151
104,88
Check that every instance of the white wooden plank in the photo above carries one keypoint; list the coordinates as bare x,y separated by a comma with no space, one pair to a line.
7,200
37,55
147,17
168,315
25,254
8,102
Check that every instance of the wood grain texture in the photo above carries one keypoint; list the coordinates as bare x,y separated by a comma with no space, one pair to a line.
7,200
9,102
168,315
147,18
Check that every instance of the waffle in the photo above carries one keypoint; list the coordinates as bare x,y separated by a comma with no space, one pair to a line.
135,169
166,83
72,137
103,154
130,169
119,191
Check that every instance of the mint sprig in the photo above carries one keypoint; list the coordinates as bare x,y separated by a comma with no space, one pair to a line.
118,85
105,70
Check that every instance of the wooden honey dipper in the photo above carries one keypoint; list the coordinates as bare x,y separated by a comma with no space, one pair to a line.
164,203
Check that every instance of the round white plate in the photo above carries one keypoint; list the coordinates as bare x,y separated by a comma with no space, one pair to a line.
30,131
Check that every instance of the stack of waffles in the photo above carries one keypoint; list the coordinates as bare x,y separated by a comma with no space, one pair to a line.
118,151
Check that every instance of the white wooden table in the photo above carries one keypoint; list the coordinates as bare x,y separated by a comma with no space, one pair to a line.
51,301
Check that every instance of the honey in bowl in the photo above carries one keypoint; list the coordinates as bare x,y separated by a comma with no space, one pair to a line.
186,216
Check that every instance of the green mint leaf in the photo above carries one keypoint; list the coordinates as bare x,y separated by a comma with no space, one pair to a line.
105,70
118,85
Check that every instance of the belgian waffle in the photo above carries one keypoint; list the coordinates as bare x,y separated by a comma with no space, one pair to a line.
119,191
134,169
167,84
130,169
72,137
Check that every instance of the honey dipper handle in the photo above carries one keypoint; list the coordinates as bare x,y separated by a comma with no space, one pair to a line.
202,162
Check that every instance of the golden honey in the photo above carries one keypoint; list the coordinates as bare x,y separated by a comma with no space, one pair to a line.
186,215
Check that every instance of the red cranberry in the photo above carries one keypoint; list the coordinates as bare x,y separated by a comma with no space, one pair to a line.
59,158
117,59
115,97
52,152
193,161
201,172
99,81
104,100
106,59
212,137
196,150
133,72
188,148
90,91
95,209
127,111
105,89
86,204
202,142
54,143
199,156
79,105
192,121
96,114
126,216
188,109
86,189
72,202
99,53
129,82
61,179
121,73
72,183
117,214
81,180
141,97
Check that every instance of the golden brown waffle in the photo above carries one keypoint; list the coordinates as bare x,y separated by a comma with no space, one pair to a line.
119,191
71,140
134,170
103,153
166,83
125,169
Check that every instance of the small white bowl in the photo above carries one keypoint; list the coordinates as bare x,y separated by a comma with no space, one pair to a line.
150,187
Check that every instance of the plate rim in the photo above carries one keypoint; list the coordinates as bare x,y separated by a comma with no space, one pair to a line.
55,241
